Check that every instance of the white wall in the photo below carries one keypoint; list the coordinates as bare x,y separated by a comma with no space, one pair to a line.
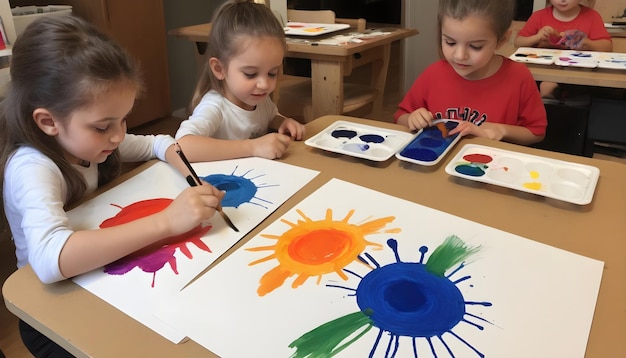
7,20
421,50
181,60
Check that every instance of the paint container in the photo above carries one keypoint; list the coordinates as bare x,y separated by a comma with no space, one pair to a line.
431,144
562,180
359,140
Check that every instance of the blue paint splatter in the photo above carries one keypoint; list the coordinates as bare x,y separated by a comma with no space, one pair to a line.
430,144
403,299
239,189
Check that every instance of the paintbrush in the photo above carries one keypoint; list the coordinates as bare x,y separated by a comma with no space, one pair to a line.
194,180
441,125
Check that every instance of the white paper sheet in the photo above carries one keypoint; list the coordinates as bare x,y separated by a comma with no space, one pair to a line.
255,188
520,298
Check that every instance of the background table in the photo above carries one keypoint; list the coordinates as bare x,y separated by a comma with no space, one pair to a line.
329,63
573,75
88,326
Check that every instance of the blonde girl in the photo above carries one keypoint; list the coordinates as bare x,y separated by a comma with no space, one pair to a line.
232,109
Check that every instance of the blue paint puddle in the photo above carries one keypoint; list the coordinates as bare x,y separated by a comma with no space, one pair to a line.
344,133
372,138
429,144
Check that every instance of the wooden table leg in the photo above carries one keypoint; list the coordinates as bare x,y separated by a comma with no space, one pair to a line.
379,75
327,88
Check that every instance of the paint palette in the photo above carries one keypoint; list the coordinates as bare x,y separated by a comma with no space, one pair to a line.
567,181
431,144
310,29
540,56
612,60
359,140
586,59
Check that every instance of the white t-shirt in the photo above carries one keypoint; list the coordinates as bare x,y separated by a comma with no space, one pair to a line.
217,117
35,193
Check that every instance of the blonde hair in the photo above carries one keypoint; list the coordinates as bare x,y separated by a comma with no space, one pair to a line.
234,20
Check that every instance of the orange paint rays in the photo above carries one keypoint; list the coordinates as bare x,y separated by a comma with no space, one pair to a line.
315,248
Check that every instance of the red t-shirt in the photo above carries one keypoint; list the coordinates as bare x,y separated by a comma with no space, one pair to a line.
588,21
510,96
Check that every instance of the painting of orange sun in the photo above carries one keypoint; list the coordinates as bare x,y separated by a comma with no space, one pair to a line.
314,248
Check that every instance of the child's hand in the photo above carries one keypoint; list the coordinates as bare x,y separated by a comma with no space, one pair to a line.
485,131
547,37
419,118
292,128
572,39
193,206
270,146
547,33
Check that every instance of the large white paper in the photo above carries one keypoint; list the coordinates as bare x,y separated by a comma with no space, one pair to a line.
508,296
255,187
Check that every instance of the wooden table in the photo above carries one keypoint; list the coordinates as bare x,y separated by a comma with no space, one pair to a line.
573,75
329,64
88,326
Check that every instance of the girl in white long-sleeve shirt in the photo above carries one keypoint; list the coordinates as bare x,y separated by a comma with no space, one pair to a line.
63,133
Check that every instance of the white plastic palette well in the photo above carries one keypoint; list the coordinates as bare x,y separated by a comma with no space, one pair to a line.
567,181
360,140
586,59
540,56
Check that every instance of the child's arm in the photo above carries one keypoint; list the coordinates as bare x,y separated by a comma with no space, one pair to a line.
89,249
540,39
416,120
206,149
601,45
290,127
498,131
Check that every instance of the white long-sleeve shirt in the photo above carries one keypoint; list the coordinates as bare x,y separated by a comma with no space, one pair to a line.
35,193
217,117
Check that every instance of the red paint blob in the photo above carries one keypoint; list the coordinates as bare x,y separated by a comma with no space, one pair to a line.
478,158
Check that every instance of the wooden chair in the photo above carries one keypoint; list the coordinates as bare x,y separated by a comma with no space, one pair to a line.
294,97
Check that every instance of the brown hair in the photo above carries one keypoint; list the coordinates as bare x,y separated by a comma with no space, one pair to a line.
232,21
60,63
499,13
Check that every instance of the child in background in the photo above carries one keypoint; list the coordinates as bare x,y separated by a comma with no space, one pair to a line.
232,107
63,133
565,24
494,97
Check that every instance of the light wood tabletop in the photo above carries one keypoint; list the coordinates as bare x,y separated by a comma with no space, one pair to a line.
88,326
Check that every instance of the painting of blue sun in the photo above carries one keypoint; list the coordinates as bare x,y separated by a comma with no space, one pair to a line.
351,272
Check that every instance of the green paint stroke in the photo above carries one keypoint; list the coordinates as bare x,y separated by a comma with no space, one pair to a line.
323,341
451,252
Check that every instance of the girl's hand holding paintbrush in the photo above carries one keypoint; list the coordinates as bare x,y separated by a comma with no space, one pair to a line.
193,180
191,208
194,205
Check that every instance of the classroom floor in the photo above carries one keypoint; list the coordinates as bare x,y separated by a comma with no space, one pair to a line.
10,342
